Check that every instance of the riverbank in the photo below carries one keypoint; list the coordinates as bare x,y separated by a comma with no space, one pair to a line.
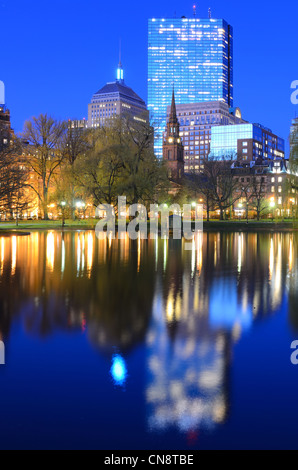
8,228
13,233
252,225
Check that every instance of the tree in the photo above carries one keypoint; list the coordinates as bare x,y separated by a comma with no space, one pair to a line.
13,178
98,171
43,139
145,177
121,162
219,184
74,145
200,187
259,194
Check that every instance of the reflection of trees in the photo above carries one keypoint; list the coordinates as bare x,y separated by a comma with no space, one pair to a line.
56,286
121,300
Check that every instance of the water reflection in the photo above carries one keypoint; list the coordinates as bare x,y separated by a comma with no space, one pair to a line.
187,308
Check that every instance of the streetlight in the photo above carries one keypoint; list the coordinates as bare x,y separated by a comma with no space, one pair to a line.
63,204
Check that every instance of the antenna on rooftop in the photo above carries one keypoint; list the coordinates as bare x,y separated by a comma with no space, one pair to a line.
120,51
120,73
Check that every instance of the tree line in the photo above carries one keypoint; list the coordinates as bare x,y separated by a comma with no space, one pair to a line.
52,162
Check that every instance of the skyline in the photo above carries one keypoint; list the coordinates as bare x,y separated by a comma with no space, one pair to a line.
262,97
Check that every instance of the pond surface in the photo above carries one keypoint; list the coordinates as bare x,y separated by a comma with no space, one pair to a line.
145,345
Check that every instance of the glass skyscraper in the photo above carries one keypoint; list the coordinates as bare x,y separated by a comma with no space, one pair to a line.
196,57
245,142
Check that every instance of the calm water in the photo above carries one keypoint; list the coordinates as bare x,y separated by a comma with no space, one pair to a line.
143,345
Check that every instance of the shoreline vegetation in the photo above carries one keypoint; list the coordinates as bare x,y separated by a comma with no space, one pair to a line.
24,227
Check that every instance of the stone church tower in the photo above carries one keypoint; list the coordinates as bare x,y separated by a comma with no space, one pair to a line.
173,151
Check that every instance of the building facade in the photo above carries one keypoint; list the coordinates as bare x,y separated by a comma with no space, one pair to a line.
294,139
274,180
6,132
193,54
116,99
195,122
245,142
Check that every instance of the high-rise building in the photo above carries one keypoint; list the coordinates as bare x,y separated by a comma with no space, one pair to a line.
116,99
294,139
172,147
246,142
2,95
77,126
193,54
195,122
5,124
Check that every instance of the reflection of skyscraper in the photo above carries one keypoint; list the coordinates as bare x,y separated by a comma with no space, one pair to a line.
186,375
194,54
188,361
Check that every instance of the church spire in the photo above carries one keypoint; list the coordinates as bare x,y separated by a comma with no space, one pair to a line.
173,115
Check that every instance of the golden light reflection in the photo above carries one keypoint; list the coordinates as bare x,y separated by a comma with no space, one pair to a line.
50,251
170,307
271,259
83,251
276,277
240,251
199,252
2,255
13,255
79,251
139,251
291,255
193,256
215,253
165,254
89,253
63,256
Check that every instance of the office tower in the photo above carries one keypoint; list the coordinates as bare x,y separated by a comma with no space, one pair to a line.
195,122
2,95
77,126
193,54
294,139
246,142
116,99
6,132
172,147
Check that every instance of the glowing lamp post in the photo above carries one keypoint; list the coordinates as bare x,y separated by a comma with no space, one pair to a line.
63,205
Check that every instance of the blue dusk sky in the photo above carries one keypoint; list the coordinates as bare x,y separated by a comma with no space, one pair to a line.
55,54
